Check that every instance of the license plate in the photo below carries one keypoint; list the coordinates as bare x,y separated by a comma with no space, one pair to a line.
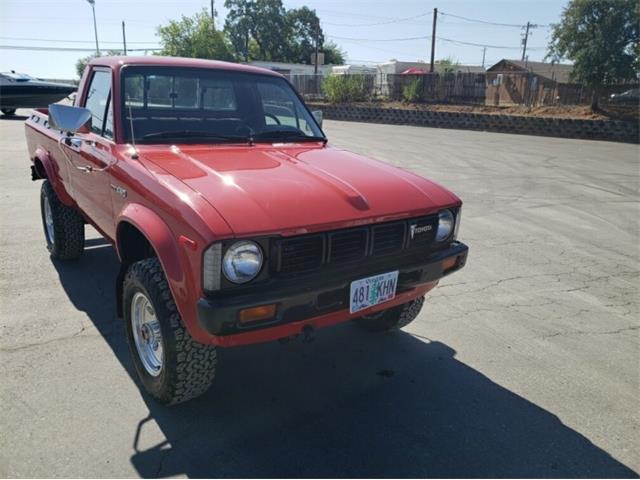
371,291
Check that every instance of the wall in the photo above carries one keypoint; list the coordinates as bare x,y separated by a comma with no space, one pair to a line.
613,130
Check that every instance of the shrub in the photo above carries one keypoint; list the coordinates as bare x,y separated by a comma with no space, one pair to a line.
346,88
413,91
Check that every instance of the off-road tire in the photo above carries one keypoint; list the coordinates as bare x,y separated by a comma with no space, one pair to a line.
9,112
68,226
392,319
188,367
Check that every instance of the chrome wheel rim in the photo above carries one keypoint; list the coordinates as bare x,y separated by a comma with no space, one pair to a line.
48,221
147,335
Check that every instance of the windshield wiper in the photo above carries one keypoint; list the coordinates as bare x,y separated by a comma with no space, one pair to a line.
288,135
195,134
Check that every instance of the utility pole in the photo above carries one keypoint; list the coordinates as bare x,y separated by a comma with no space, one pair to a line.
95,25
433,39
484,52
124,38
526,37
213,15
315,63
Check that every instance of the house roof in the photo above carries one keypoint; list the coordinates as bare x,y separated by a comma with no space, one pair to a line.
559,72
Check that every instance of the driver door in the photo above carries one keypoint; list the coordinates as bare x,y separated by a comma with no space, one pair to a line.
91,182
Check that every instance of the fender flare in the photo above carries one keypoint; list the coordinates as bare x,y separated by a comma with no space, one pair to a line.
52,174
166,248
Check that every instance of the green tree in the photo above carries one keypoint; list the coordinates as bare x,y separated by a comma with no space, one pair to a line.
303,25
81,63
601,38
194,37
333,54
448,65
264,22
266,30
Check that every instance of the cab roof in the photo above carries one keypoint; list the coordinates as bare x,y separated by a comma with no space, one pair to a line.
117,62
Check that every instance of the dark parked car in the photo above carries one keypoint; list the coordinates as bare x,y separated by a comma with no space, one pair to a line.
630,97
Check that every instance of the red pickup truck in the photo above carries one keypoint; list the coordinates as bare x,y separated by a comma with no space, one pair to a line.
234,220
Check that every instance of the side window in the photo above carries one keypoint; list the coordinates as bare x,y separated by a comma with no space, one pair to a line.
279,108
98,102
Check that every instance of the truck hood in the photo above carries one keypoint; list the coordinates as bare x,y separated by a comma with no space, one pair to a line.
297,188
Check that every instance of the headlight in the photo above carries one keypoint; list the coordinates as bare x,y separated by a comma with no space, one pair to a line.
445,225
242,261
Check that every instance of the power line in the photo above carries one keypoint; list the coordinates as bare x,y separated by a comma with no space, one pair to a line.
69,41
376,48
486,22
428,37
379,39
386,22
482,45
481,21
67,49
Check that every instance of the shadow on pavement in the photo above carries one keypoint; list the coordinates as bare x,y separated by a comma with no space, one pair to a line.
13,117
349,405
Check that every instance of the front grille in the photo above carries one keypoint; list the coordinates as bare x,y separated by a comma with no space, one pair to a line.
310,252
301,254
347,245
388,238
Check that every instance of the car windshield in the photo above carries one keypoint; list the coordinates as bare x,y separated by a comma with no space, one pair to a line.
163,104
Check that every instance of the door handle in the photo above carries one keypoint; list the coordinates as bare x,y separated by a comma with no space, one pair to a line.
75,144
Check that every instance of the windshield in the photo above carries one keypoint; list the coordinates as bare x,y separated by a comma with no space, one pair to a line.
196,104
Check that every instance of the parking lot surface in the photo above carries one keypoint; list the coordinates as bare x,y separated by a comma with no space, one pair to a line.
525,363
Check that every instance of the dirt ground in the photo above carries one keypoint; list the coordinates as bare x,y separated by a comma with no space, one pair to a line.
557,111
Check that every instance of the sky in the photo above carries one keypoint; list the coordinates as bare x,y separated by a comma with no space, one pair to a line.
369,32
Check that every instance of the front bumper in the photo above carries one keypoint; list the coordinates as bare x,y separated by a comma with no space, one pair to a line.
319,301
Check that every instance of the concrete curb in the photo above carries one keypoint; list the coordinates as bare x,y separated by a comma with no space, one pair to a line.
613,130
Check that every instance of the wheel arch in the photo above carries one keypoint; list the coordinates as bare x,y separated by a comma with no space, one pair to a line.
45,168
141,233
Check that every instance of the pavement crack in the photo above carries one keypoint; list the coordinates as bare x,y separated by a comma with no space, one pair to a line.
581,332
46,342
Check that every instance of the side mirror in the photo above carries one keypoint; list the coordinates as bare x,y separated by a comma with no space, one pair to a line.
70,119
317,114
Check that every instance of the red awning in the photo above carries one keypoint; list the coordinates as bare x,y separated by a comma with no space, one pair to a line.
414,71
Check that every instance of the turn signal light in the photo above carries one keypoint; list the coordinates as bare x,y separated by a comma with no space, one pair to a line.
449,263
255,314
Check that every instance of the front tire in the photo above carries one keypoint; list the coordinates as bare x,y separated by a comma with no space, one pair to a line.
392,319
171,366
63,225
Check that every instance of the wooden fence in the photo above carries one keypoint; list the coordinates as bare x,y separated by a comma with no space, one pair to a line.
500,89
459,88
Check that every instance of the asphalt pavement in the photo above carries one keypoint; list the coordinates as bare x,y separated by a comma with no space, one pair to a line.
526,363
